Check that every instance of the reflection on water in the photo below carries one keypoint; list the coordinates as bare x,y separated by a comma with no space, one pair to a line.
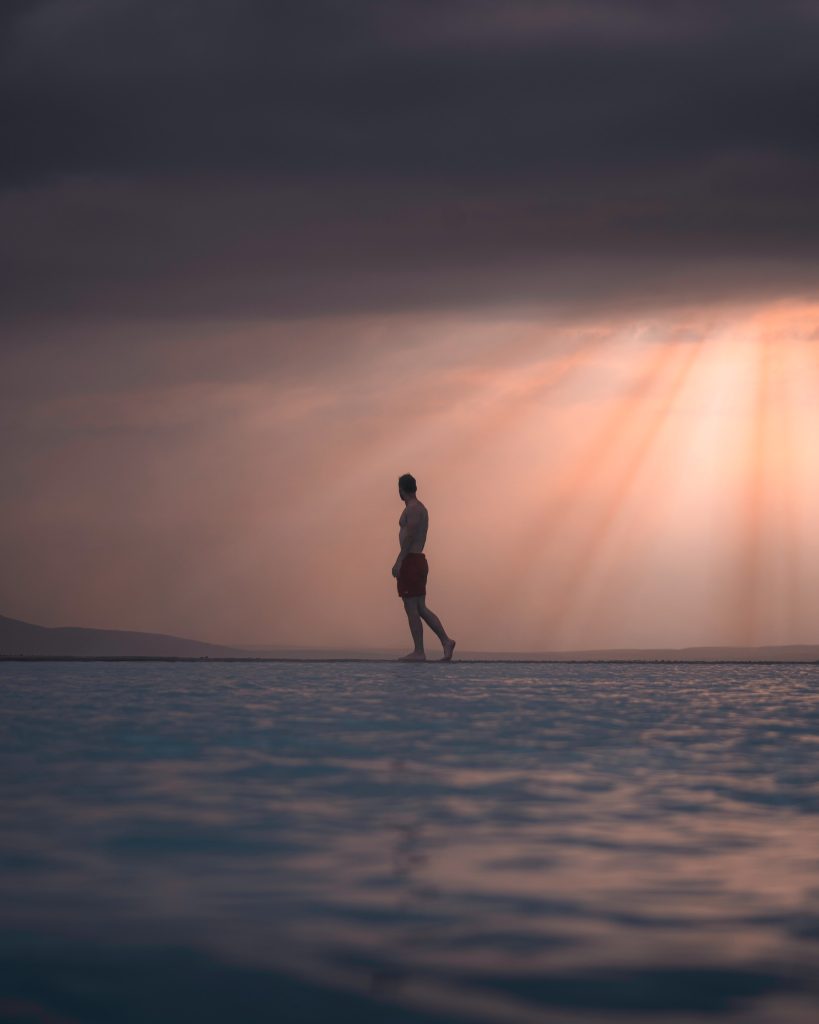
409,843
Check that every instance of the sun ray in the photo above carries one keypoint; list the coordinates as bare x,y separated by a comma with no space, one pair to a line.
546,529
646,434
754,499
786,612
505,407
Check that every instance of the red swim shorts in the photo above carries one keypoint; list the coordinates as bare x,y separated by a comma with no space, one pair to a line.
412,576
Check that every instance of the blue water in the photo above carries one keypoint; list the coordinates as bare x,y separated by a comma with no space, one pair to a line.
408,843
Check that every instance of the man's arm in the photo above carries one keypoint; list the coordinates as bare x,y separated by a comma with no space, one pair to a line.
414,517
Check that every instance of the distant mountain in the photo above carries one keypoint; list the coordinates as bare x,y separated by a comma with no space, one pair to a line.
25,639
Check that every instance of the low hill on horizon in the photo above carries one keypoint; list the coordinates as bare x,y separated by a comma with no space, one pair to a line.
24,639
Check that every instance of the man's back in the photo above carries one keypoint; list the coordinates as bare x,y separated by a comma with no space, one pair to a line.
414,521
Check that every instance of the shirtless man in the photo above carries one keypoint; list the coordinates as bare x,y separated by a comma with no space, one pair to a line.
411,570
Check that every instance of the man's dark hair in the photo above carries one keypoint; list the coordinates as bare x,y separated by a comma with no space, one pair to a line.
407,483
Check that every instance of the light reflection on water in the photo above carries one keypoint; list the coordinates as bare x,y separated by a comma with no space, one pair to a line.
376,842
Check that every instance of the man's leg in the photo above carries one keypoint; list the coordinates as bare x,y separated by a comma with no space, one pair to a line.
437,628
416,628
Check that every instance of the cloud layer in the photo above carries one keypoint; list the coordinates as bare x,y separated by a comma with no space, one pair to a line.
228,159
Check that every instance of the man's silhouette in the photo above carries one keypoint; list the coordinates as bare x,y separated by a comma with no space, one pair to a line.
411,570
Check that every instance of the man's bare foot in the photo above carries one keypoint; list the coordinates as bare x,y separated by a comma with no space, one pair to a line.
415,656
449,647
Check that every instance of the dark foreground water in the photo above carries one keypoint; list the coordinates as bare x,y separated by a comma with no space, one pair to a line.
408,843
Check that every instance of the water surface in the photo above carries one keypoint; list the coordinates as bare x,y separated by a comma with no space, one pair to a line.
409,843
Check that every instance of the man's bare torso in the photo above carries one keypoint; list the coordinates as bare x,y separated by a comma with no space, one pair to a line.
414,520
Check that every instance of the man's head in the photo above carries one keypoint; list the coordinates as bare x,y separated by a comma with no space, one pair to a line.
407,486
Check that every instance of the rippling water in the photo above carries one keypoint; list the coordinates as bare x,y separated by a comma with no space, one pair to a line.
409,843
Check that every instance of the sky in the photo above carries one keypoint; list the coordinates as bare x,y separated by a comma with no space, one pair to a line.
558,260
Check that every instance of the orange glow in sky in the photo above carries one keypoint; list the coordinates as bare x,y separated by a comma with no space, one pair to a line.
649,481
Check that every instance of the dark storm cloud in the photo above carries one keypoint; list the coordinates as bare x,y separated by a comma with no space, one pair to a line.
237,157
